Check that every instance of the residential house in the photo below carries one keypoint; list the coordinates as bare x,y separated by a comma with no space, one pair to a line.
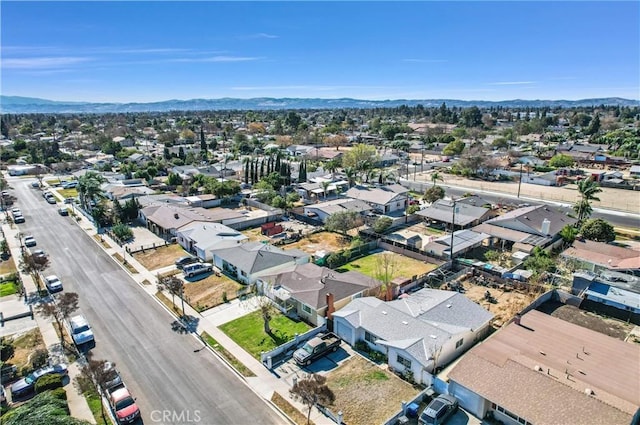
474,200
526,228
249,261
384,199
312,292
599,257
139,158
299,150
316,190
201,237
466,214
634,171
121,192
165,219
419,332
205,200
387,160
463,241
614,289
544,179
531,160
323,210
545,371
324,154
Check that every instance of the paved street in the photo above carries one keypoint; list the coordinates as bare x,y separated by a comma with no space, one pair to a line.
160,366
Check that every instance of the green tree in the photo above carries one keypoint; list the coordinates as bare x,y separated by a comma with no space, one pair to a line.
568,234
594,125
588,190
539,262
311,391
59,309
46,408
360,158
342,221
203,145
174,179
382,224
561,161
89,188
435,177
596,229
433,194
454,148
173,285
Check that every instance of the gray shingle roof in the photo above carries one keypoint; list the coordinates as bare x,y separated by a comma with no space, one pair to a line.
254,257
465,213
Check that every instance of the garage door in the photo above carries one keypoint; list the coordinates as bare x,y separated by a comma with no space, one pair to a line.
345,332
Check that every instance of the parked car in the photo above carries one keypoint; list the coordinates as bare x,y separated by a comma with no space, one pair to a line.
51,199
39,256
81,333
18,219
26,385
64,211
69,185
197,268
53,284
186,260
315,348
30,241
35,184
69,200
439,410
15,211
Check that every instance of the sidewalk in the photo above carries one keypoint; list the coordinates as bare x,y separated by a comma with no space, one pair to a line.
78,406
264,383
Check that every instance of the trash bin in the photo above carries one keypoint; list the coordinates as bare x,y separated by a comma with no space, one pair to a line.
412,410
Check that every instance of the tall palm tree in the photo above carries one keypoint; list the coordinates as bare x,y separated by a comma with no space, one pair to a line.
435,176
89,187
325,186
350,174
587,189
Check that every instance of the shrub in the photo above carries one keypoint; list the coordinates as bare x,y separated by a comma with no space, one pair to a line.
362,346
224,297
59,393
48,382
382,224
39,358
335,260
122,231
377,356
6,349
433,194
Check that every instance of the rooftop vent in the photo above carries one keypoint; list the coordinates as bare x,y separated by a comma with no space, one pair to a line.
404,322
588,391
537,368
384,312
448,305
433,336
176,216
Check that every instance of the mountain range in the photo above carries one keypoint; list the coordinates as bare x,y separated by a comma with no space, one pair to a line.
19,104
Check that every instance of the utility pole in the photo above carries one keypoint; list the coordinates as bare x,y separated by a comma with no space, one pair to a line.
520,180
453,229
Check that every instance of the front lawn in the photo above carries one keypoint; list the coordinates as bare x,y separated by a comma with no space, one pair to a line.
68,193
210,291
403,266
360,385
8,288
248,332
160,257
7,266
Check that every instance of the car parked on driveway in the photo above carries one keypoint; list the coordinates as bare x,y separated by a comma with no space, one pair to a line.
439,410
186,260
27,385
196,269
53,284
30,241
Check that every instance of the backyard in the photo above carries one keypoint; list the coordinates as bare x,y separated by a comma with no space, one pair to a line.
160,257
248,332
322,241
361,387
24,346
402,266
210,291
255,235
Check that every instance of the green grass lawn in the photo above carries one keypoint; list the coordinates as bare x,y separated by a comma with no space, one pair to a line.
248,332
68,193
404,266
8,288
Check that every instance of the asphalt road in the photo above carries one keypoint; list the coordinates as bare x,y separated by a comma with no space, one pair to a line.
173,383
616,218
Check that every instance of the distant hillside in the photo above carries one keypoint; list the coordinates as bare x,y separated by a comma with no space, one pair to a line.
17,104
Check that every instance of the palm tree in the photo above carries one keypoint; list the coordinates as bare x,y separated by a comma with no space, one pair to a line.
325,185
350,174
332,166
435,176
89,187
588,189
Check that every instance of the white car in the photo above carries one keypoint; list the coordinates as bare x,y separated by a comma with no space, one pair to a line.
53,283
81,332
30,241
197,268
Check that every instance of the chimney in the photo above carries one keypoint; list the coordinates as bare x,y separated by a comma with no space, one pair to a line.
516,319
330,307
546,224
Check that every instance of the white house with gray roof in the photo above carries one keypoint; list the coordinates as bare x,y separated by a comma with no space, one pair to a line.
249,261
201,237
323,210
384,199
419,332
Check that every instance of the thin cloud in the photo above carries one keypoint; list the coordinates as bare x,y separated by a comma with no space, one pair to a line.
217,59
414,60
259,35
512,83
309,88
42,62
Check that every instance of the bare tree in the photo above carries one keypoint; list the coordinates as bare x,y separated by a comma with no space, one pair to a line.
434,355
385,271
60,309
173,285
262,303
312,390
93,377
33,265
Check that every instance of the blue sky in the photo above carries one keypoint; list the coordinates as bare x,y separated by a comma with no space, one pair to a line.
152,51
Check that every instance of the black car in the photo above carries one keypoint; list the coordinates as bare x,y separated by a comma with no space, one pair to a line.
439,410
27,385
183,261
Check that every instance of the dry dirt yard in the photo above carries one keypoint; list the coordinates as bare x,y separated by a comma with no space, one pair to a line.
207,293
254,235
508,302
366,393
321,241
157,258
